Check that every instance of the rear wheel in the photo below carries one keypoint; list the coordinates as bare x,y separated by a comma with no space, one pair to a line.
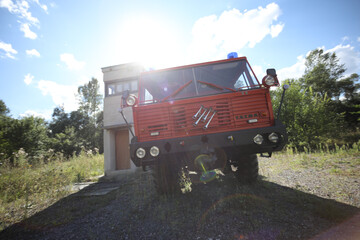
166,176
247,168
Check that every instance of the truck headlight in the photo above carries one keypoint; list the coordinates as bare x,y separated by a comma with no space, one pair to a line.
258,139
140,153
269,80
273,137
131,100
154,151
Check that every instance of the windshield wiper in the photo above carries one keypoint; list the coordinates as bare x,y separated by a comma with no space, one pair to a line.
216,86
177,91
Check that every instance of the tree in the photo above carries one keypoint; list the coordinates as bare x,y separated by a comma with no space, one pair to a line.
3,108
60,120
349,103
66,142
28,133
89,98
90,103
322,73
306,116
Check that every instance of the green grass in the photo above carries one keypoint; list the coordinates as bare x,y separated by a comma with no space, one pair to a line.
27,189
343,160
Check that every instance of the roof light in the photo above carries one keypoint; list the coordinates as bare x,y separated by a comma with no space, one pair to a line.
232,55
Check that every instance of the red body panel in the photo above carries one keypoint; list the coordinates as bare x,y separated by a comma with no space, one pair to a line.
175,118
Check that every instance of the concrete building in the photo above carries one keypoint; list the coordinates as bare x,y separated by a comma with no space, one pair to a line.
118,79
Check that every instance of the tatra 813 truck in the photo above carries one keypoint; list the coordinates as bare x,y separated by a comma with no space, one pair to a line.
212,115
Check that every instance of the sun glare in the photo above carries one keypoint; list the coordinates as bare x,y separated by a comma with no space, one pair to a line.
151,42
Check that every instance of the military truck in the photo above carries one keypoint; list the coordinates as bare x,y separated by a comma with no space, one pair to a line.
205,116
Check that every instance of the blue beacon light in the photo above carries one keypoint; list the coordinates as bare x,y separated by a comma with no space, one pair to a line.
232,55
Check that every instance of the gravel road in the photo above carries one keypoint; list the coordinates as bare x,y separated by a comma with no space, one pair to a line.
287,205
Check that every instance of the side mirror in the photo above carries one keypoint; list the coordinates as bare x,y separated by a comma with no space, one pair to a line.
271,78
271,71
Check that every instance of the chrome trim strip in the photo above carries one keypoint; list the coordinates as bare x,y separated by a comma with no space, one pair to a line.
198,112
207,125
204,118
197,122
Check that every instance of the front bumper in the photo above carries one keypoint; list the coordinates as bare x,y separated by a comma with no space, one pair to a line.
241,140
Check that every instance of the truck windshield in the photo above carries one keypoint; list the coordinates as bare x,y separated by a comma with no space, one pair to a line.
198,80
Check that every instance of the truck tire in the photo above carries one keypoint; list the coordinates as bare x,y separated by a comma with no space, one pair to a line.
166,176
247,171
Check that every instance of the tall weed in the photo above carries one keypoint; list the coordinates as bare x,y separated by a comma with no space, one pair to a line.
24,186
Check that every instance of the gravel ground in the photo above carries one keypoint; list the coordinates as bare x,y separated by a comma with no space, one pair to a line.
287,205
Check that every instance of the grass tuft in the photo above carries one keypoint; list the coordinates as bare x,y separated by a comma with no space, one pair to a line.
27,188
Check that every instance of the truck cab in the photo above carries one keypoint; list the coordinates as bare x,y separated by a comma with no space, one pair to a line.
204,116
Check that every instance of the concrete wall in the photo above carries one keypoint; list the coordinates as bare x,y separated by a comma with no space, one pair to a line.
121,71
113,120
112,116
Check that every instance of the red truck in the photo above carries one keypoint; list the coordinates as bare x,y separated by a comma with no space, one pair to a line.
204,116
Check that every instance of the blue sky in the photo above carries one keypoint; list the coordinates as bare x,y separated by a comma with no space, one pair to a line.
49,48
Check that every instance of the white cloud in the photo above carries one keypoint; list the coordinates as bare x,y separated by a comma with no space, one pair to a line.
25,27
33,52
7,48
294,71
20,8
43,6
46,114
345,38
259,72
233,30
358,39
348,56
28,79
346,53
71,62
61,94
275,30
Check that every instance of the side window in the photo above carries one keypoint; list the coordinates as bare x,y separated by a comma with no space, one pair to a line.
126,86
246,80
148,97
110,89
134,86
118,88
241,83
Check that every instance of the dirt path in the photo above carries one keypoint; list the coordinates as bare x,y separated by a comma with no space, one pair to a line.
221,209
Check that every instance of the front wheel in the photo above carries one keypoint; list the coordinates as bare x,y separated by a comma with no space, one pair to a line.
247,168
166,176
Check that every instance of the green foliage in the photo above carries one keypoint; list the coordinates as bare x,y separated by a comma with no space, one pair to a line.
28,133
306,116
65,142
321,106
324,75
322,72
3,108
37,186
89,98
70,132
90,102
